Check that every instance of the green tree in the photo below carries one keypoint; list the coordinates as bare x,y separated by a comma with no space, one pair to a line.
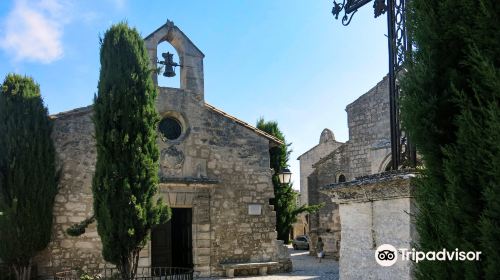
284,195
28,182
450,107
126,175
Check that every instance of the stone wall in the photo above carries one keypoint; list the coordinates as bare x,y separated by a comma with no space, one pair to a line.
369,131
326,222
76,155
368,149
224,169
327,144
374,210
367,152
239,159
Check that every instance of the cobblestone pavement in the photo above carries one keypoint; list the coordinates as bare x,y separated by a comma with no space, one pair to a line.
304,267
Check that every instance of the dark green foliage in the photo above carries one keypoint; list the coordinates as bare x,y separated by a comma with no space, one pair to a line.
451,108
27,173
79,228
284,196
126,176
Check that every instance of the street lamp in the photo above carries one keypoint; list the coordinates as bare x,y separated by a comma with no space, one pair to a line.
285,176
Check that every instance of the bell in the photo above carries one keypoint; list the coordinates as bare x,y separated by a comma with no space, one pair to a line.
169,64
169,71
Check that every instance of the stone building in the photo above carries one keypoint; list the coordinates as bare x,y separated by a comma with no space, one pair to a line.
214,173
366,152
326,145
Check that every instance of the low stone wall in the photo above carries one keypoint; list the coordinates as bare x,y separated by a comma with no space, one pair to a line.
374,210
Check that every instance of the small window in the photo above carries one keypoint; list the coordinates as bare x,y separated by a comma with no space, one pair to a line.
341,178
170,128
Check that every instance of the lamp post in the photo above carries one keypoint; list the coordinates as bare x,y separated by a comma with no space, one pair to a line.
399,45
285,176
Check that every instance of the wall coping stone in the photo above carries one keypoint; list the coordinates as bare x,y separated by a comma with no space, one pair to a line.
381,186
189,180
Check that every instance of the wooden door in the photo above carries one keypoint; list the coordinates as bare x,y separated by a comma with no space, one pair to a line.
161,245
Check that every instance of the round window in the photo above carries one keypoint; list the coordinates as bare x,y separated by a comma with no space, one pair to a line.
170,128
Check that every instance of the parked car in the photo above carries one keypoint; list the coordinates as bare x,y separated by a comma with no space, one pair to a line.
301,242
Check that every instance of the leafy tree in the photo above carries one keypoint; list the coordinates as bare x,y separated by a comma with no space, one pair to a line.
451,108
28,182
126,176
284,195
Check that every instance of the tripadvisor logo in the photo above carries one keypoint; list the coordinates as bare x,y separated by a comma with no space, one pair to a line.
387,255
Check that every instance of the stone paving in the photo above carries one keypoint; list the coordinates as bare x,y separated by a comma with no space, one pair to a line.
304,267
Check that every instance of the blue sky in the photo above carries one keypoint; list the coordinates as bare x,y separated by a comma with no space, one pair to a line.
288,61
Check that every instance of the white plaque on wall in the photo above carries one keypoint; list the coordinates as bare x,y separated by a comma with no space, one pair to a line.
254,209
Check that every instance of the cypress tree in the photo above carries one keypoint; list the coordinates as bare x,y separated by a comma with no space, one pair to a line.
450,106
284,196
126,176
27,174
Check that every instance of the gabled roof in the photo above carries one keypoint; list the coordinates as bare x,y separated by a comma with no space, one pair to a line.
272,139
311,149
170,25
73,112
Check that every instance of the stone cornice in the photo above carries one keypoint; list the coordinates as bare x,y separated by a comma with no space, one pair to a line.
189,180
387,185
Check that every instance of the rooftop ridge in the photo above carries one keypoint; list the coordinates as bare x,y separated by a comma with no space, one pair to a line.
258,131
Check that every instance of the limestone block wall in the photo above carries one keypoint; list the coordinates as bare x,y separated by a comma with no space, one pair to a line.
190,57
326,222
369,130
76,155
375,210
370,225
217,147
219,167
327,144
367,152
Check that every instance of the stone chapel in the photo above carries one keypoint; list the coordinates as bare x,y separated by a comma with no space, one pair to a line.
214,173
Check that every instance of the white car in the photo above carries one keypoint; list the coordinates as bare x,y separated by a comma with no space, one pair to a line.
301,242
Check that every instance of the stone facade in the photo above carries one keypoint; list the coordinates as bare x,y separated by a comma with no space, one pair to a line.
375,210
326,145
366,152
326,222
218,167
369,144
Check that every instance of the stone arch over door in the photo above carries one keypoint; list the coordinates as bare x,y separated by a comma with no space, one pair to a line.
385,163
190,57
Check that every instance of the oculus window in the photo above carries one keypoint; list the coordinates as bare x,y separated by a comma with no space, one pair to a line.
170,128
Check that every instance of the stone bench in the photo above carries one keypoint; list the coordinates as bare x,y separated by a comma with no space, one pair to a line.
262,266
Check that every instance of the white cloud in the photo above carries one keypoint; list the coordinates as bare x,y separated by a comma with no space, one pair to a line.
33,31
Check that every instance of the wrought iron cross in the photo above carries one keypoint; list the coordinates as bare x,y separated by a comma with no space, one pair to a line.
399,47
